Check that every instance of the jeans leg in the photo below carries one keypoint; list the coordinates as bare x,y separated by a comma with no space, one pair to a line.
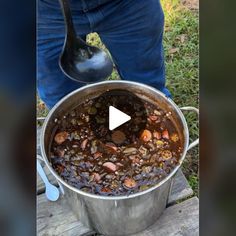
52,84
132,30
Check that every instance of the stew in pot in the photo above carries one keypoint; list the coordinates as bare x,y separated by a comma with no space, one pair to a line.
90,157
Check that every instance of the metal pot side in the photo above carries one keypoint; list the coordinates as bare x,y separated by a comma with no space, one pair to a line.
119,217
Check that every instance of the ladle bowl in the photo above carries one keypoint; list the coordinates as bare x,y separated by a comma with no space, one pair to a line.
80,61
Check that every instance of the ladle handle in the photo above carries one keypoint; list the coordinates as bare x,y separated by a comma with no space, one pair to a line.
42,173
70,29
39,158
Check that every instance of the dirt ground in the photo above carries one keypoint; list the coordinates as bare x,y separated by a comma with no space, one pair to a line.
191,4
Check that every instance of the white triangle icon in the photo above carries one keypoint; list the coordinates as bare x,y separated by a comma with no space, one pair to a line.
117,118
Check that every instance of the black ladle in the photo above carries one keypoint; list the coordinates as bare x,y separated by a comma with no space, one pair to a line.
80,61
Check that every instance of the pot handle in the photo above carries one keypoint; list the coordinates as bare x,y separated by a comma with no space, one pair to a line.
41,118
60,186
40,158
194,109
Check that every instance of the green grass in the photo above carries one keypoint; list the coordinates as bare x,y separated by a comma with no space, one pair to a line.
181,34
181,60
181,57
193,181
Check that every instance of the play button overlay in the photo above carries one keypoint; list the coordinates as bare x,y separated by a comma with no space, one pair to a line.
117,118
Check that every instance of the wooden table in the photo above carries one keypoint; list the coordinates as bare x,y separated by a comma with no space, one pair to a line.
181,216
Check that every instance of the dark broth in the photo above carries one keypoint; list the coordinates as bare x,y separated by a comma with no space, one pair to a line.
90,157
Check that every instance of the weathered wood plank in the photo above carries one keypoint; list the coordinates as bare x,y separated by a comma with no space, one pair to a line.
180,188
180,219
56,218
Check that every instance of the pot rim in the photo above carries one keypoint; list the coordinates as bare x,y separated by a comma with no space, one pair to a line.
168,100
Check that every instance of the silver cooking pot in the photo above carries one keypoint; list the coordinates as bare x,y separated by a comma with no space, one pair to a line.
118,215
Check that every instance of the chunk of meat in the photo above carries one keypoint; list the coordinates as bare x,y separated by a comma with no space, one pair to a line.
118,137
83,144
135,160
96,177
60,152
157,135
153,118
165,134
110,166
105,190
61,137
130,183
119,165
111,146
97,155
146,135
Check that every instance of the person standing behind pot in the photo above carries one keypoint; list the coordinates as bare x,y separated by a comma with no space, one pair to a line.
132,30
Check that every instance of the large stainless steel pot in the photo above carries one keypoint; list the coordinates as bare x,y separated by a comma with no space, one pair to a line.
120,215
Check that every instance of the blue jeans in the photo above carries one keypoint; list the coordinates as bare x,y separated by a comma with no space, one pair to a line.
132,31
